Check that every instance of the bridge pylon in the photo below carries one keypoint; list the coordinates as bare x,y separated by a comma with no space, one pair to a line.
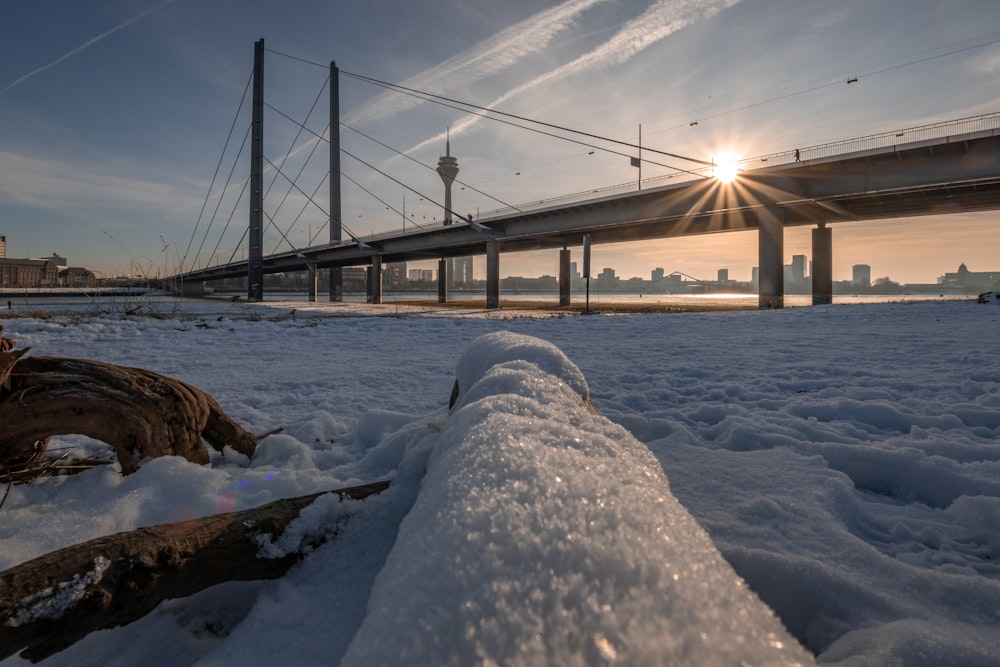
255,256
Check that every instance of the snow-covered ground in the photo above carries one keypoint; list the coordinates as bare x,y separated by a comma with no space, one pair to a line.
845,461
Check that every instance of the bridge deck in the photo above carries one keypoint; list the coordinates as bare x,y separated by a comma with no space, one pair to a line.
933,176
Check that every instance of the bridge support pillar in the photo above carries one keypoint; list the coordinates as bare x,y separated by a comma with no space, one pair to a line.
336,275
442,280
770,258
375,280
492,275
822,268
313,278
564,277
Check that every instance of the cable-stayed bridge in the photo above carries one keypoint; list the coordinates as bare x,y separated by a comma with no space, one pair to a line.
942,168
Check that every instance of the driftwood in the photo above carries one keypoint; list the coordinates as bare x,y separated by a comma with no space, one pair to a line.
140,414
53,601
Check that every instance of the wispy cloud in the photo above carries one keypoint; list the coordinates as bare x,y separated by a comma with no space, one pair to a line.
90,42
58,185
660,20
498,53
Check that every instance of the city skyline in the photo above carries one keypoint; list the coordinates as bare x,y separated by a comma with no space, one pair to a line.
113,116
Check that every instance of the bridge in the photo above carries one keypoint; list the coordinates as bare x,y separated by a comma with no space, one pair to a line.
937,169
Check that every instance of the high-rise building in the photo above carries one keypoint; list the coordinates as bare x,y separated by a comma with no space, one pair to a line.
657,275
723,275
798,267
3,247
861,274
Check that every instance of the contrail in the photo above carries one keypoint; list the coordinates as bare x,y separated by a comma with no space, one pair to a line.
498,53
659,21
88,43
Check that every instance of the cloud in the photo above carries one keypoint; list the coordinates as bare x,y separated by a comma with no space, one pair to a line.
90,42
659,21
498,53
62,186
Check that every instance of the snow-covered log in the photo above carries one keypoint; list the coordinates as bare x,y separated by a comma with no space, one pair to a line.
140,414
543,533
53,601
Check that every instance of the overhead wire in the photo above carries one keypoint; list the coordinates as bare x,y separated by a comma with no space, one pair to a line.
437,99
829,81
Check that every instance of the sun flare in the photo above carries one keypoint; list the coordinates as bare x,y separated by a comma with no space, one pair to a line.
725,167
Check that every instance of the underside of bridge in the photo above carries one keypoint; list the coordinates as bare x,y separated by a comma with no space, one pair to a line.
933,177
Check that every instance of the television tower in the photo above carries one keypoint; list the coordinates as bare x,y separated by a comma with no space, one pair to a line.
448,169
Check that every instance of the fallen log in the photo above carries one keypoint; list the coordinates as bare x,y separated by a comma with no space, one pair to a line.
54,601
138,413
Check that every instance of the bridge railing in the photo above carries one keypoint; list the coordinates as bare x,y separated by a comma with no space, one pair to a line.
940,130
982,123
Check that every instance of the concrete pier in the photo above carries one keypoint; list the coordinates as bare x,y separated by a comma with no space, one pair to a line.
822,268
375,280
770,254
564,277
492,275
313,278
442,280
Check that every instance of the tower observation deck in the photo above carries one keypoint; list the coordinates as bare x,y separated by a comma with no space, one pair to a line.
448,169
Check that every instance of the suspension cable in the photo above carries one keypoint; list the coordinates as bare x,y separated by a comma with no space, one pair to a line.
301,211
380,200
232,214
229,179
311,200
216,174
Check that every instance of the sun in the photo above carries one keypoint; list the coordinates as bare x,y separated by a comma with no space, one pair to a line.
725,167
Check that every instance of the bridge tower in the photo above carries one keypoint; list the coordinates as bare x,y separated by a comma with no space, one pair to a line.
255,256
336,224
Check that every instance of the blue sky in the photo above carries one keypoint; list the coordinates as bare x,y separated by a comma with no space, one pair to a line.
114,115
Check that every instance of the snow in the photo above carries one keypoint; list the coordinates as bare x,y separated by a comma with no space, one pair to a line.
838,465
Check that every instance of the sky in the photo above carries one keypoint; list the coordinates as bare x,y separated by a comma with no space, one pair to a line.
114,117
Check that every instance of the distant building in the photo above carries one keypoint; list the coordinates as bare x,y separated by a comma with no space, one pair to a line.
77,276
797,269
355,279
3,247
861,274
657,275
29,273
56,259
607,279
723,275
971,281
394,275
421,275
